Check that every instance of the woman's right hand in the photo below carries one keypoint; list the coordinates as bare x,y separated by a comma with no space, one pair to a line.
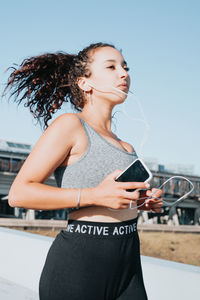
114,194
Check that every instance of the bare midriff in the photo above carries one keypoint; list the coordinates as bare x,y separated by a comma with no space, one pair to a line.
103,214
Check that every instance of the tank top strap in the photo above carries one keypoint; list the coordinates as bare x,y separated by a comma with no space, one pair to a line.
96,140
90,132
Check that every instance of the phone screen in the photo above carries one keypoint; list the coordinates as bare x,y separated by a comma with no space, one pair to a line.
136,172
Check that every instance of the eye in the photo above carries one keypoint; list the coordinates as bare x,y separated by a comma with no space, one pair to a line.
111,67
126,68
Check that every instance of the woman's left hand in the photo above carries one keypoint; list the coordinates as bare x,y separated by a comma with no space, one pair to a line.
154,204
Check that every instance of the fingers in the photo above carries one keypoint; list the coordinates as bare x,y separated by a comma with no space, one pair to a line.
156,193
131,195
154,205
154,202
157,209
114,174
126,203
133,185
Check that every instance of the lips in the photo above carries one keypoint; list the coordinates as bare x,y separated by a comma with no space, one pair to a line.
123,86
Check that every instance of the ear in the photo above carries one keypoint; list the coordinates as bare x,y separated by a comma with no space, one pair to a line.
82,83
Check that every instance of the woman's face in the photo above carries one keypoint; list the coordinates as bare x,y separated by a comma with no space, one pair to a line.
108,71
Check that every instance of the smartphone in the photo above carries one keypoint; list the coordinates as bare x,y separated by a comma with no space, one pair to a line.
137,171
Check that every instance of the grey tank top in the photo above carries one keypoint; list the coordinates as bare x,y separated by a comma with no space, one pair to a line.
100,159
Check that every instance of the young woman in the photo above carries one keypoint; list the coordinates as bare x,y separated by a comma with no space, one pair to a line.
97,257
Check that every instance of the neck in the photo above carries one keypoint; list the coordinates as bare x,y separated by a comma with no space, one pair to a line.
98,114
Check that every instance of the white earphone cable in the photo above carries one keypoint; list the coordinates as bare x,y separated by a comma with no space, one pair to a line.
147,127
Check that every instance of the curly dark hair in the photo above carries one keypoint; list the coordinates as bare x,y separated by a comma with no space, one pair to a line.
44,82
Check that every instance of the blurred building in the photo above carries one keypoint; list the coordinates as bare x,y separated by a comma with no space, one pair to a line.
154,165
12,157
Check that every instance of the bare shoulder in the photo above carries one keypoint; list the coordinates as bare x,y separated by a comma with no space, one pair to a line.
59,132
52,148
66,121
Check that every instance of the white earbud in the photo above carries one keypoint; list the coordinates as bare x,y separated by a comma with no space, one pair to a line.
87,84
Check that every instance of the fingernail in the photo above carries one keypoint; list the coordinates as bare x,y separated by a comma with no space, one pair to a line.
147,185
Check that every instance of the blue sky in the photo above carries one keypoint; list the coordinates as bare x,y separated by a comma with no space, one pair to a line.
160,42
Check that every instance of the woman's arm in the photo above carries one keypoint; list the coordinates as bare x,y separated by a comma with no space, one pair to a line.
28,189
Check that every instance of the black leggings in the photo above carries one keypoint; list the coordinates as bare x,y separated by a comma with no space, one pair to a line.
94,261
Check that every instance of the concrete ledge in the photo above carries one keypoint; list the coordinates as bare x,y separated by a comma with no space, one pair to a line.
22,256
11,291
167,228
61,224
31,224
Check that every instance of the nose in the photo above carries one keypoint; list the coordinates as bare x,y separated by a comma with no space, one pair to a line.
123,73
